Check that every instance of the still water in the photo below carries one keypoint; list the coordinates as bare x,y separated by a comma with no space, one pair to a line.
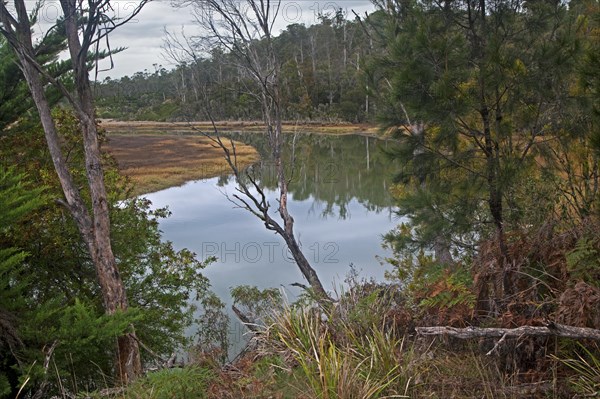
338,197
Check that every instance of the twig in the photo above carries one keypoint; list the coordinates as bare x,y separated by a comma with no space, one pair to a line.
500,341
245,319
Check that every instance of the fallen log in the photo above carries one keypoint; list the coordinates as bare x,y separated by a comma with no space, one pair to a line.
549,330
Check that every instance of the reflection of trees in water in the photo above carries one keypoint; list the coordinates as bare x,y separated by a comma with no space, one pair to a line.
332,169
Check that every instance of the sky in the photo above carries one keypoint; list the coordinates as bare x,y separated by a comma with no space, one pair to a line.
144,35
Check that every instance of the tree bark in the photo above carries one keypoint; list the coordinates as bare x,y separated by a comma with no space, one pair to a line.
274,108
265,69
94,228
478,32
550,330
113,289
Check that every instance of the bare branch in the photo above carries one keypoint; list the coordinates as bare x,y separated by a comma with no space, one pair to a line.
241,31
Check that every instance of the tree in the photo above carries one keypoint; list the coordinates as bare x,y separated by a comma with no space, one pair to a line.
61,301
15,99
472,90
245,30
94,227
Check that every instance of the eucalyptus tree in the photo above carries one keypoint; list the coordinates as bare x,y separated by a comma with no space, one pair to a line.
85,26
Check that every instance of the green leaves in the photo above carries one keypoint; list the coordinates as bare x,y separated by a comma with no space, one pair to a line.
189,382
16,198
583,262
52,294
478,99
160,281
84,338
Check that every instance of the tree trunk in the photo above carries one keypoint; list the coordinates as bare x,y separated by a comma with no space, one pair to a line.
276,130
95,228
113,289
305,268
495,192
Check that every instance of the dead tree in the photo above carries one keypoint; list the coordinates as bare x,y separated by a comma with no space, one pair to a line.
244,28
85,28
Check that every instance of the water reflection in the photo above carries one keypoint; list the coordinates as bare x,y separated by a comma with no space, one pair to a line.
338,197
332,170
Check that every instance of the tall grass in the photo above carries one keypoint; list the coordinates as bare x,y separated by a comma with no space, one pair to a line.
336,362
181,383
586,366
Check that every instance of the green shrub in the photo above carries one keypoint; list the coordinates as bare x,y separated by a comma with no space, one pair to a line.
179,383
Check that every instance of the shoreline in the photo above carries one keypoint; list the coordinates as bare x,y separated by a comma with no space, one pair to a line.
157,162
148,127
161,155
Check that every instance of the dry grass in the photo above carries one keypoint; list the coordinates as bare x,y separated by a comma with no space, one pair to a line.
156,162
158,155
129,127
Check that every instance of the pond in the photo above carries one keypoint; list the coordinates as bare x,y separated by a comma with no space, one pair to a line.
339,199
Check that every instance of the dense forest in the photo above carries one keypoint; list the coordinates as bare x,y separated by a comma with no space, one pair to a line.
491,114
322,77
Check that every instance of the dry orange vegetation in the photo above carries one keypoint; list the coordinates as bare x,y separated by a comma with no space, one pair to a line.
155,162
158,155
128,127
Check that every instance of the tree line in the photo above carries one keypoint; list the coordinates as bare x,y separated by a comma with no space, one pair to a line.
321,78
490,107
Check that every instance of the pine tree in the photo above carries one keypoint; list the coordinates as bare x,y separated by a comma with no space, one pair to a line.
472,89
17,200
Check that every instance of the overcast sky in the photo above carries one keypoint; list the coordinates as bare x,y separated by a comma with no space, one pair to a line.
143,36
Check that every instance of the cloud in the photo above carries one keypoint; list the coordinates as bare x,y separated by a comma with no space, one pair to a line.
144,36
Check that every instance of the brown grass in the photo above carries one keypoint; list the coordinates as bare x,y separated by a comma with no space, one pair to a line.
158,155
156,162
137,127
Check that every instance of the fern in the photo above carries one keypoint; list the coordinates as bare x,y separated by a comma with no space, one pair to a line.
447,290
16,201
583,263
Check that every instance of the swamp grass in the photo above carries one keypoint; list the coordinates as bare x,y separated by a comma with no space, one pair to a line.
156,162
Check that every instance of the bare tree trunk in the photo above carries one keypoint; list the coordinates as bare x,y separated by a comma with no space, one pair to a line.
272,108
265,69
551,330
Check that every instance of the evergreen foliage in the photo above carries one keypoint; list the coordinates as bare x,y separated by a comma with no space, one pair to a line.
472,93
17,201
59,300
494,111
